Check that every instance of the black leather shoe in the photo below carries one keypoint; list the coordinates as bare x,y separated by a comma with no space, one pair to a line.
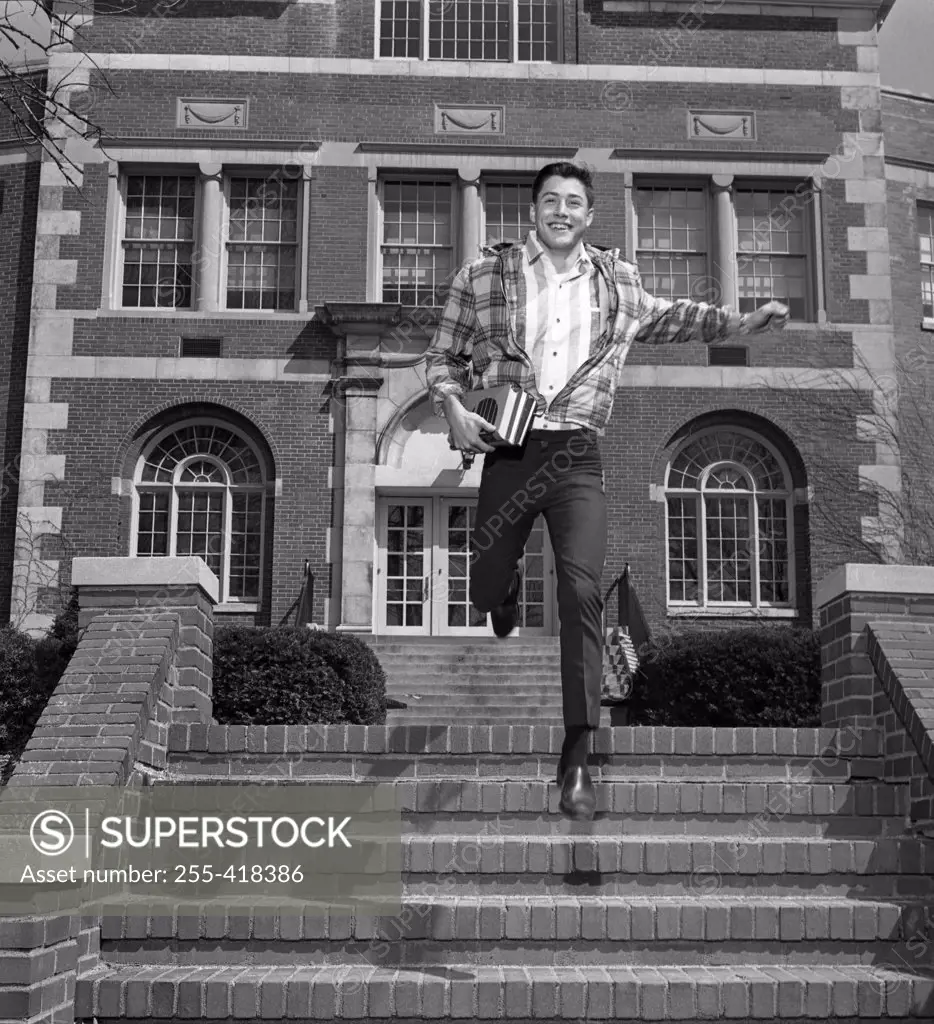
505,616
578,800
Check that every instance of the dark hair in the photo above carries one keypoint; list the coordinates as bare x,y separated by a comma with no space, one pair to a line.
563,169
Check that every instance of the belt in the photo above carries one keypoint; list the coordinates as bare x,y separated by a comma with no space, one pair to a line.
536,434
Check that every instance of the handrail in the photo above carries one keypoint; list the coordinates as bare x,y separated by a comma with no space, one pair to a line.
615,586
305,600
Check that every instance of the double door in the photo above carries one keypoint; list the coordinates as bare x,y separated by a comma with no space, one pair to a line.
423,571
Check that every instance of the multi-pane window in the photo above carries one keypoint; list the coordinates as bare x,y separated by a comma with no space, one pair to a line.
507,211
728,517
417,240
262,243
671,241
773,246
201,491
772,228
489,30
926,239
157,241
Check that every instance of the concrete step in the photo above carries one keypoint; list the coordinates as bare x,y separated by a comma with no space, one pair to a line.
477,992
664,807
823,746
530,702
466,643
627,768
482,717
521,678
523,930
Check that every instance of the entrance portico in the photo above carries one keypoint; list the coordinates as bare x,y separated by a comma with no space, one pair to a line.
403,502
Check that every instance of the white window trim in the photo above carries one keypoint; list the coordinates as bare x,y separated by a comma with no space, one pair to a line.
376,274
112,297
300,270
514,59
501,179
114,301
811,294
745,182
927,323
774,609
224,598
654,181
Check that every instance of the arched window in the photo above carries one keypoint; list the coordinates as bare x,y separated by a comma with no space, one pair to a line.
729,517
201,490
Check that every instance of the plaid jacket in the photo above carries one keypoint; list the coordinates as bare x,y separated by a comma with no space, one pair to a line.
479,342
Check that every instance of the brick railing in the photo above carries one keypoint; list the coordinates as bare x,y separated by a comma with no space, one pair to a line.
877,650
143,664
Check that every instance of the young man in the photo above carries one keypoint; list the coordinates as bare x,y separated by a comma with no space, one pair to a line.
556,317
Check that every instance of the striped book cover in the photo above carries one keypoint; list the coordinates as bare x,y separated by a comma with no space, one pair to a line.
508,408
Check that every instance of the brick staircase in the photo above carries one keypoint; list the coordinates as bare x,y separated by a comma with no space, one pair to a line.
487,681
741,874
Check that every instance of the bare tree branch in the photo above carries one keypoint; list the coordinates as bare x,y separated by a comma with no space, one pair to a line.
892,410
43,105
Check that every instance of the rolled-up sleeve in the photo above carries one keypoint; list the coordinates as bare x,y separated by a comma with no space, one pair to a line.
448,359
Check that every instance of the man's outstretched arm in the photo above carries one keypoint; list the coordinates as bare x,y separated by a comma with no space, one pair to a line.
672,321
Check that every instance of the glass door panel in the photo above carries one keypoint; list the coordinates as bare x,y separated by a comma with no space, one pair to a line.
424,566
404,567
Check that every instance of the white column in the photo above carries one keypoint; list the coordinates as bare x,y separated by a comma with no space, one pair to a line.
630,214
724,256
210,238
470,240
302,267
818,236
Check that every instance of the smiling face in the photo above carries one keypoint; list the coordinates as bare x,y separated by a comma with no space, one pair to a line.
561,213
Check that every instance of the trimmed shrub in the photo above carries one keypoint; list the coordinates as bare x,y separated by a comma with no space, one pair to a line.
751,676
295,676
21,698
356,663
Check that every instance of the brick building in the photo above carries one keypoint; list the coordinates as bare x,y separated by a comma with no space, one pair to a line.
224,317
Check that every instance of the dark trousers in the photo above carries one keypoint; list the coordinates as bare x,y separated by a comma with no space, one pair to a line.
560,476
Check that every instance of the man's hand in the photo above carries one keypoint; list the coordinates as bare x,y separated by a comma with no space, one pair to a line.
466,427
772,315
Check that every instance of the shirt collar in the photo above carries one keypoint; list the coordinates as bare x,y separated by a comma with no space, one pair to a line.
534,250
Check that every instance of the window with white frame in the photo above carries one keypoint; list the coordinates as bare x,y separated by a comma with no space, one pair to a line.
262,242
200,490
773,235
926,240
488,30
729,524
772,262
671,240
506,211
165,237
157,242
417,243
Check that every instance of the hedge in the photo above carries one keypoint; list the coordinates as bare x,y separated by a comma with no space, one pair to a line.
291,675
747,676
29,671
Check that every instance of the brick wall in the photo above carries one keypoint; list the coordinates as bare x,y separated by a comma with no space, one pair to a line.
294,417
19,186
647,424
908,124
351,108
909,134
694,38
337,235
145,651
591,35
157,336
